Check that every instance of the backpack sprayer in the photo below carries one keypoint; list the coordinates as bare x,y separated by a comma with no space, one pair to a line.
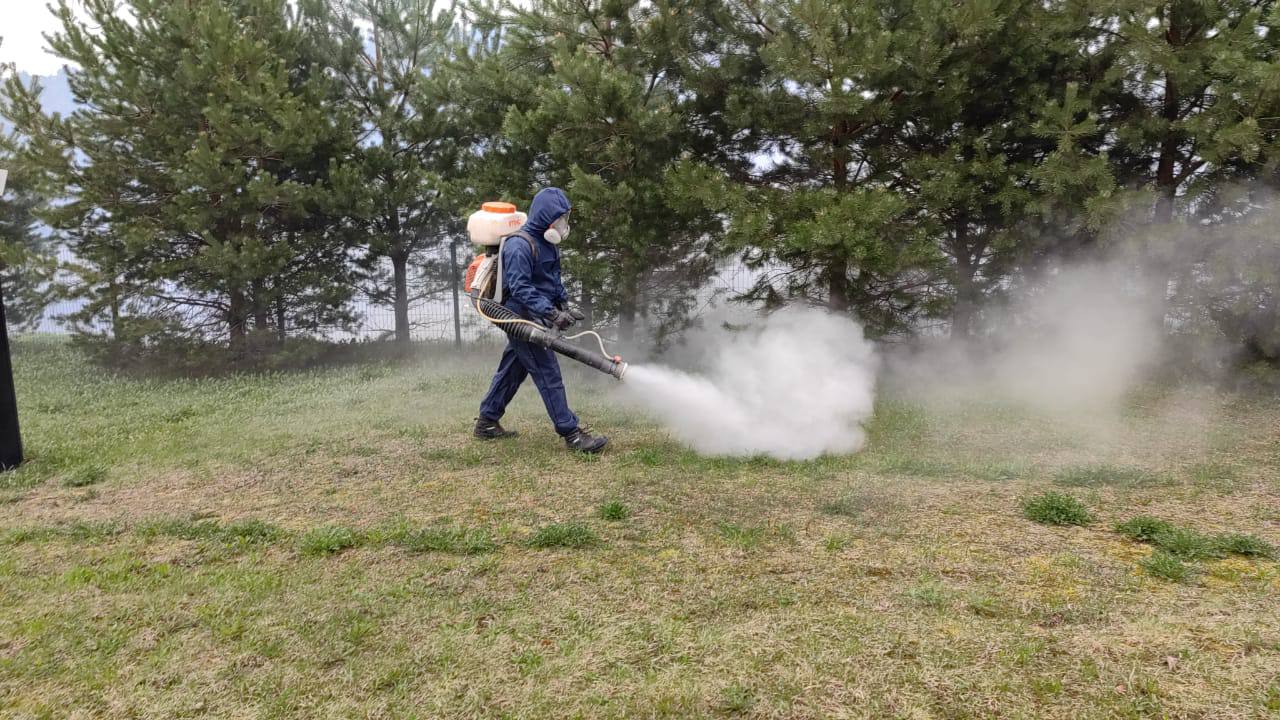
490,227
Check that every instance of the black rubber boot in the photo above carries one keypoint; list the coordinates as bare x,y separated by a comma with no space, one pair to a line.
582,440
492,430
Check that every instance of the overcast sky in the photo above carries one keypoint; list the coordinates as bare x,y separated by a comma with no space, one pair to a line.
23,27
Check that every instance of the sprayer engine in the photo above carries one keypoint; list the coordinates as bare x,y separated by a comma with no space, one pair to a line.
480,275
489,228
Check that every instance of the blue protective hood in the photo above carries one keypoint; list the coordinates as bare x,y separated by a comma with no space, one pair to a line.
549,204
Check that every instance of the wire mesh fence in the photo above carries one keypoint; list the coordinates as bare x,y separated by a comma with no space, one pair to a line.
442,315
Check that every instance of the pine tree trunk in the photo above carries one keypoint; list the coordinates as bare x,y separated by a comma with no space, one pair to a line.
400,267
838,268
588,309
838,285
260,310
281,331
113,293
236,320
1166,164
964,311
627,321
966,300
627,309
1155,272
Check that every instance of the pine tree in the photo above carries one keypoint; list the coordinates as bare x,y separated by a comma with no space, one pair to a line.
1231,287
486,85
395,77
604,118
968,153
823,204
27,261
198,164
1182,96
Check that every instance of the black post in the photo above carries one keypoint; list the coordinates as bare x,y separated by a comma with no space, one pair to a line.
10,438
457,308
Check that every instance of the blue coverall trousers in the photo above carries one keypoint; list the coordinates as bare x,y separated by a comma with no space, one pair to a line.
521,358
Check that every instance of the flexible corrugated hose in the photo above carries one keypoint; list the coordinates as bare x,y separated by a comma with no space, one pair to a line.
518,327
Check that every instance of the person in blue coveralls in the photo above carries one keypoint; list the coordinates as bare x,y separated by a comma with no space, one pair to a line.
533,290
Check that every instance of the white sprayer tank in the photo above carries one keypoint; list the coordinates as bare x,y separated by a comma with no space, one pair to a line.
492,221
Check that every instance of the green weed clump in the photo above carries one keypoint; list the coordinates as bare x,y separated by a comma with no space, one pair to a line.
1272,700
741,536
1187,544
650,457
1166,565
328,540
984,605
748,537
251,531
1214,474
1052,508
1174,545
1247,545
835,543
246,532
614,510
85,475
569,535
736,699
1191,545
93,530
929,594
18,536
1144,528
1107,476
456,541
916,466
999,472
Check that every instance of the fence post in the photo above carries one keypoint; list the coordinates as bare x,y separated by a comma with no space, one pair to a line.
453,276
10,438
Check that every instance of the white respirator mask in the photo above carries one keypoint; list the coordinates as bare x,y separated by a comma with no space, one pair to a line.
558,231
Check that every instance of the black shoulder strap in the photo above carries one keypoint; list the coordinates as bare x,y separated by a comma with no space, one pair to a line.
533,244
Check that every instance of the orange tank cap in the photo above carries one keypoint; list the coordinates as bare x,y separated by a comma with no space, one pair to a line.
498,207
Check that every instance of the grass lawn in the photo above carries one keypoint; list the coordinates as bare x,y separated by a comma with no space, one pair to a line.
333,544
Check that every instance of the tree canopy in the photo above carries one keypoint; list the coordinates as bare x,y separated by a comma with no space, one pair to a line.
254,165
